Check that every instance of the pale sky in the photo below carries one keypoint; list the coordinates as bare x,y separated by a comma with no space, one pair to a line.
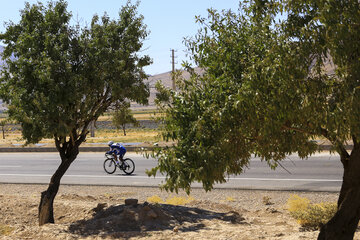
168,21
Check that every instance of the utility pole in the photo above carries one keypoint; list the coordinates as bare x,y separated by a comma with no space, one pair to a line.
173,69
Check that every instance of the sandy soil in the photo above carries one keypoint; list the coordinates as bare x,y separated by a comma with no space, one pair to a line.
99,212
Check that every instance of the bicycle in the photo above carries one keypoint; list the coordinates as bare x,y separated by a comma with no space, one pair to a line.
126,165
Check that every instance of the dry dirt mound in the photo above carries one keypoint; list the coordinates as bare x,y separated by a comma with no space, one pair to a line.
94,212
116,219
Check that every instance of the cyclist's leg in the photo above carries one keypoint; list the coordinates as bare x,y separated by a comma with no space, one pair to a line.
122,154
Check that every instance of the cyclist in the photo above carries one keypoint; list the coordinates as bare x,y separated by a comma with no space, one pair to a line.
117,150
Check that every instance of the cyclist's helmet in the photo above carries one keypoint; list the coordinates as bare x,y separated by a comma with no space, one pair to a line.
110,143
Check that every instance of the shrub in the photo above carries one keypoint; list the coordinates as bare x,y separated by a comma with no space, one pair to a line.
230,199
5,230
155,199
308,215
179,200
172,201
267,200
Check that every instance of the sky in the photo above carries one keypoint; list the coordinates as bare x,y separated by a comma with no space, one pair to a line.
168,21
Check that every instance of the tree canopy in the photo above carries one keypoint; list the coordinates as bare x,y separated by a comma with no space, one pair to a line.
267,90
59,78
244,104
63,77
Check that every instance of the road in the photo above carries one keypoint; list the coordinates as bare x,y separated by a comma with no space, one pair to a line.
322,172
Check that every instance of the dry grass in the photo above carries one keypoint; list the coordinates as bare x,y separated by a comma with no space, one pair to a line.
132,135
14,137
175,200
101,136
179,200
155,199
139,115
5,230
230,199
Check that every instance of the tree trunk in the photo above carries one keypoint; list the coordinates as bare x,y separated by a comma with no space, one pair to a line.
92,129
46,213
345,222
124,129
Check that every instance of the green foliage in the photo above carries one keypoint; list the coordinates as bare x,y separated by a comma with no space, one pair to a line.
122,116
310,216
265,90
58,78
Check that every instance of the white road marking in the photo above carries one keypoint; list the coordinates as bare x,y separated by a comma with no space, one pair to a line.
288,179
58,159
146,177
10,166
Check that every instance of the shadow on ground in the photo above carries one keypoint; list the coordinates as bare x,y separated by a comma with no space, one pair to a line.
138,220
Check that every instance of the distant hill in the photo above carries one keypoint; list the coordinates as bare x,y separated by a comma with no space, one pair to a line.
166,80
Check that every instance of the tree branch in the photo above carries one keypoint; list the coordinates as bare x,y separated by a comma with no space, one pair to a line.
344,155
61,149
355,141
284,127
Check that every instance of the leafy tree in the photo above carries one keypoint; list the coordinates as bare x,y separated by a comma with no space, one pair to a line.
122,116
64,77
266,91
3,124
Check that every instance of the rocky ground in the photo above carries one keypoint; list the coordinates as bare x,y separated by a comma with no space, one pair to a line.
100,212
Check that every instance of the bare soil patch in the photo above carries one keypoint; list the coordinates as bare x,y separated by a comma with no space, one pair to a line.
99,212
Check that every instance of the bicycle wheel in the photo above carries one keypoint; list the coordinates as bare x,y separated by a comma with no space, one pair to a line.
128,166
109,166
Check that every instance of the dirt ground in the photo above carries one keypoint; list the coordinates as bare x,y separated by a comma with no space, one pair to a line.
99,212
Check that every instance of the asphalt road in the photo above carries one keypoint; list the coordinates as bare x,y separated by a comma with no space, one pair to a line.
322,172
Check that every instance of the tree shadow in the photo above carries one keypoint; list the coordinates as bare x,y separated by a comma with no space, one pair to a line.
121,221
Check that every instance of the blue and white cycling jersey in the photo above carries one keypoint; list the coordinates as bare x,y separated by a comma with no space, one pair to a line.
118,149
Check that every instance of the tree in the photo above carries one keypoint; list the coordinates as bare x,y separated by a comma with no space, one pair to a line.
266,92
64,77
3,124
122,116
